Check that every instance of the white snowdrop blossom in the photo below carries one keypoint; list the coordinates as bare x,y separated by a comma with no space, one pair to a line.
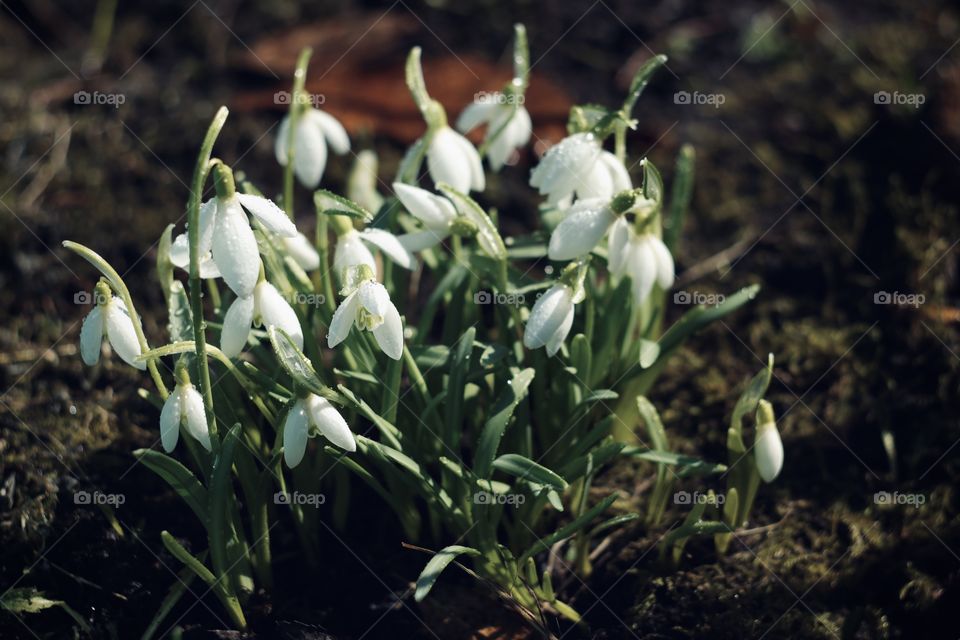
307,417
110,319
435,212
550,319
607,178
265,307
585,225
508,126
183,407
367,305
642,257
227,245
565,166
302,251
315,130
352,249
768,448
452,159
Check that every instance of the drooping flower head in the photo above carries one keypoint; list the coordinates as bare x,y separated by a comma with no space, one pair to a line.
307,417
768,448
578,166
266,307
353,246
367,306
110,319
315,129
183,407
551,318
508,125
435,212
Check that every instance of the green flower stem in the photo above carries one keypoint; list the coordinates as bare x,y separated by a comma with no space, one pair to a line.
120,287
200,174
296,108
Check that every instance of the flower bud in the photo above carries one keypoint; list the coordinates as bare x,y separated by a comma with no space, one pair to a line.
341,225
223,181
768,448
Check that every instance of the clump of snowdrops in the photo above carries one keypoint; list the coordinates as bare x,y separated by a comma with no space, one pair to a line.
476,383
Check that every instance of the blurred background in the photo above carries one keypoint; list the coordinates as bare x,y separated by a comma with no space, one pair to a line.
827,137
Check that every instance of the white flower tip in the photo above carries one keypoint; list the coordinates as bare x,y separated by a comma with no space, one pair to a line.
768,452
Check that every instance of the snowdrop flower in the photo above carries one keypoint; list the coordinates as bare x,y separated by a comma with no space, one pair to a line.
452,159
640,255
301,250
362,182
367,305
435,212
352,246
584,226
265,307
227,244
508,125
184,406
578,165
315,130
109,318
768,448
307,417
552,315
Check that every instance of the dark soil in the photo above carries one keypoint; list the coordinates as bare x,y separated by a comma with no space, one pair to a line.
825,196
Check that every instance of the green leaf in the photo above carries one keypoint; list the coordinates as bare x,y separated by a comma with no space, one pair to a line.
512,395
219,587
568,530
179,478
179,587
679,198
688,465
526,469
649,352
330,203
221,497
750,398
387,429
652,182
459,367
164,266
29,600
436,565
701,316
640,80
487,235
415,81
295,363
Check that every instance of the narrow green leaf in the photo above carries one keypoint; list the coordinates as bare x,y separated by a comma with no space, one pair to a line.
179,478
487,235
295,363
640,80
512,395
679,198
526,469
436,565
331,203
568,530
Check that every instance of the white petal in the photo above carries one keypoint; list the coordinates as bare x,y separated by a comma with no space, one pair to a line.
581,230
351,252
563,166
208,218
235,249
273,217
180,257
301,250
391,247
236,326
310,153
295,434
478,181
334,132
617,246
642,269
170,421
273,310
607,178
556,340
91,336
548,314
280,144
434,211
389,335
330,423
343,319
374,298
475,114
664,262
452,159
420,240
769,452
515,134
122,335
195,416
